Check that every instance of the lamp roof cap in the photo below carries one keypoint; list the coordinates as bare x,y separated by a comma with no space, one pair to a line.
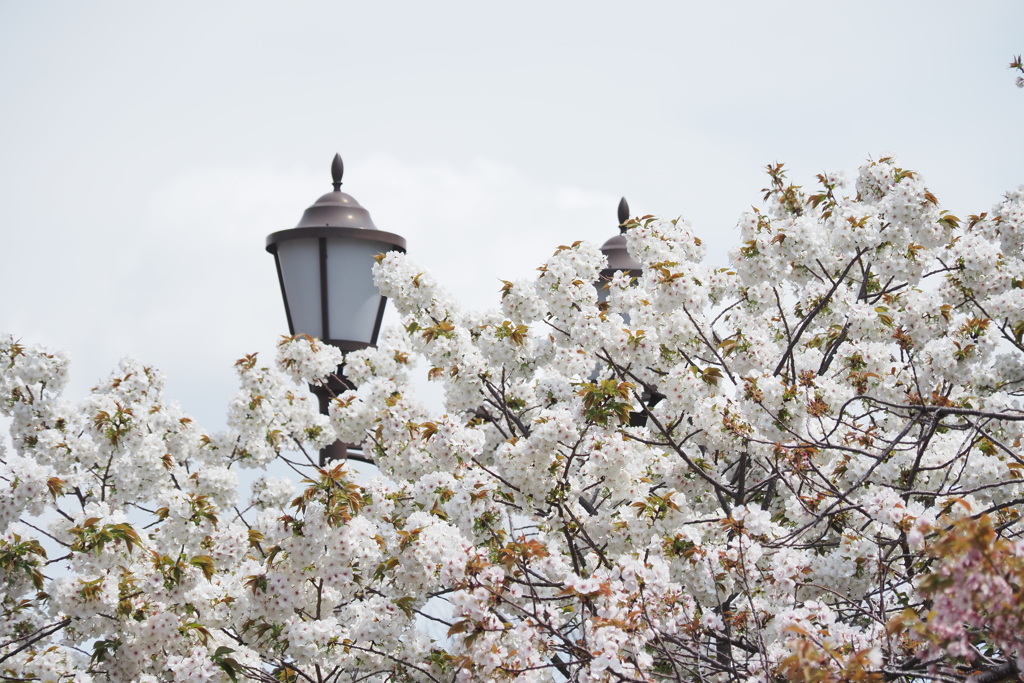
336,209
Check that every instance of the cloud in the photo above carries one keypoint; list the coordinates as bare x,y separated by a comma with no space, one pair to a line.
474,224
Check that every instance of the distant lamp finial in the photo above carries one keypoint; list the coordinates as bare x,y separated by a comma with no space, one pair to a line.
338,170
623,214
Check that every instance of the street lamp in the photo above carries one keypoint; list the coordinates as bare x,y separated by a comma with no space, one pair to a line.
620,260
618,257
324,267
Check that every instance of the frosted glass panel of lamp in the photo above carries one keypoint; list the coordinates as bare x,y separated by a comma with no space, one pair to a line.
300,270
354,300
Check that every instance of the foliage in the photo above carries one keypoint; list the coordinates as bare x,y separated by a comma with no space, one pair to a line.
806,466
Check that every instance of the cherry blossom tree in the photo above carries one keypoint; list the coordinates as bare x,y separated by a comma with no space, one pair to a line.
804,466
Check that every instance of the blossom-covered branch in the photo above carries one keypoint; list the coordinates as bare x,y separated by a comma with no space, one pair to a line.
806,465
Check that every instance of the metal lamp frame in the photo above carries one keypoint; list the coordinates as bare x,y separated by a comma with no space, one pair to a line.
322,234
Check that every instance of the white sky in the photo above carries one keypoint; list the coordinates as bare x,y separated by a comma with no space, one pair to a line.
147,149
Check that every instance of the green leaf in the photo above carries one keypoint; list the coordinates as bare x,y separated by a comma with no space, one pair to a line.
205,563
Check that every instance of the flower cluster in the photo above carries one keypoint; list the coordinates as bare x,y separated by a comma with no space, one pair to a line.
806,465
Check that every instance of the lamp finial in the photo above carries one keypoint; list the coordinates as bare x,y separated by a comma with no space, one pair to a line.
623,213
337,170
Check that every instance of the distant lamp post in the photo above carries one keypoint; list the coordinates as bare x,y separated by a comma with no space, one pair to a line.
324,266
618,257
619,260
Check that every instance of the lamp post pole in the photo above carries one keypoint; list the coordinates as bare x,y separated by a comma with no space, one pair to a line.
325,269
